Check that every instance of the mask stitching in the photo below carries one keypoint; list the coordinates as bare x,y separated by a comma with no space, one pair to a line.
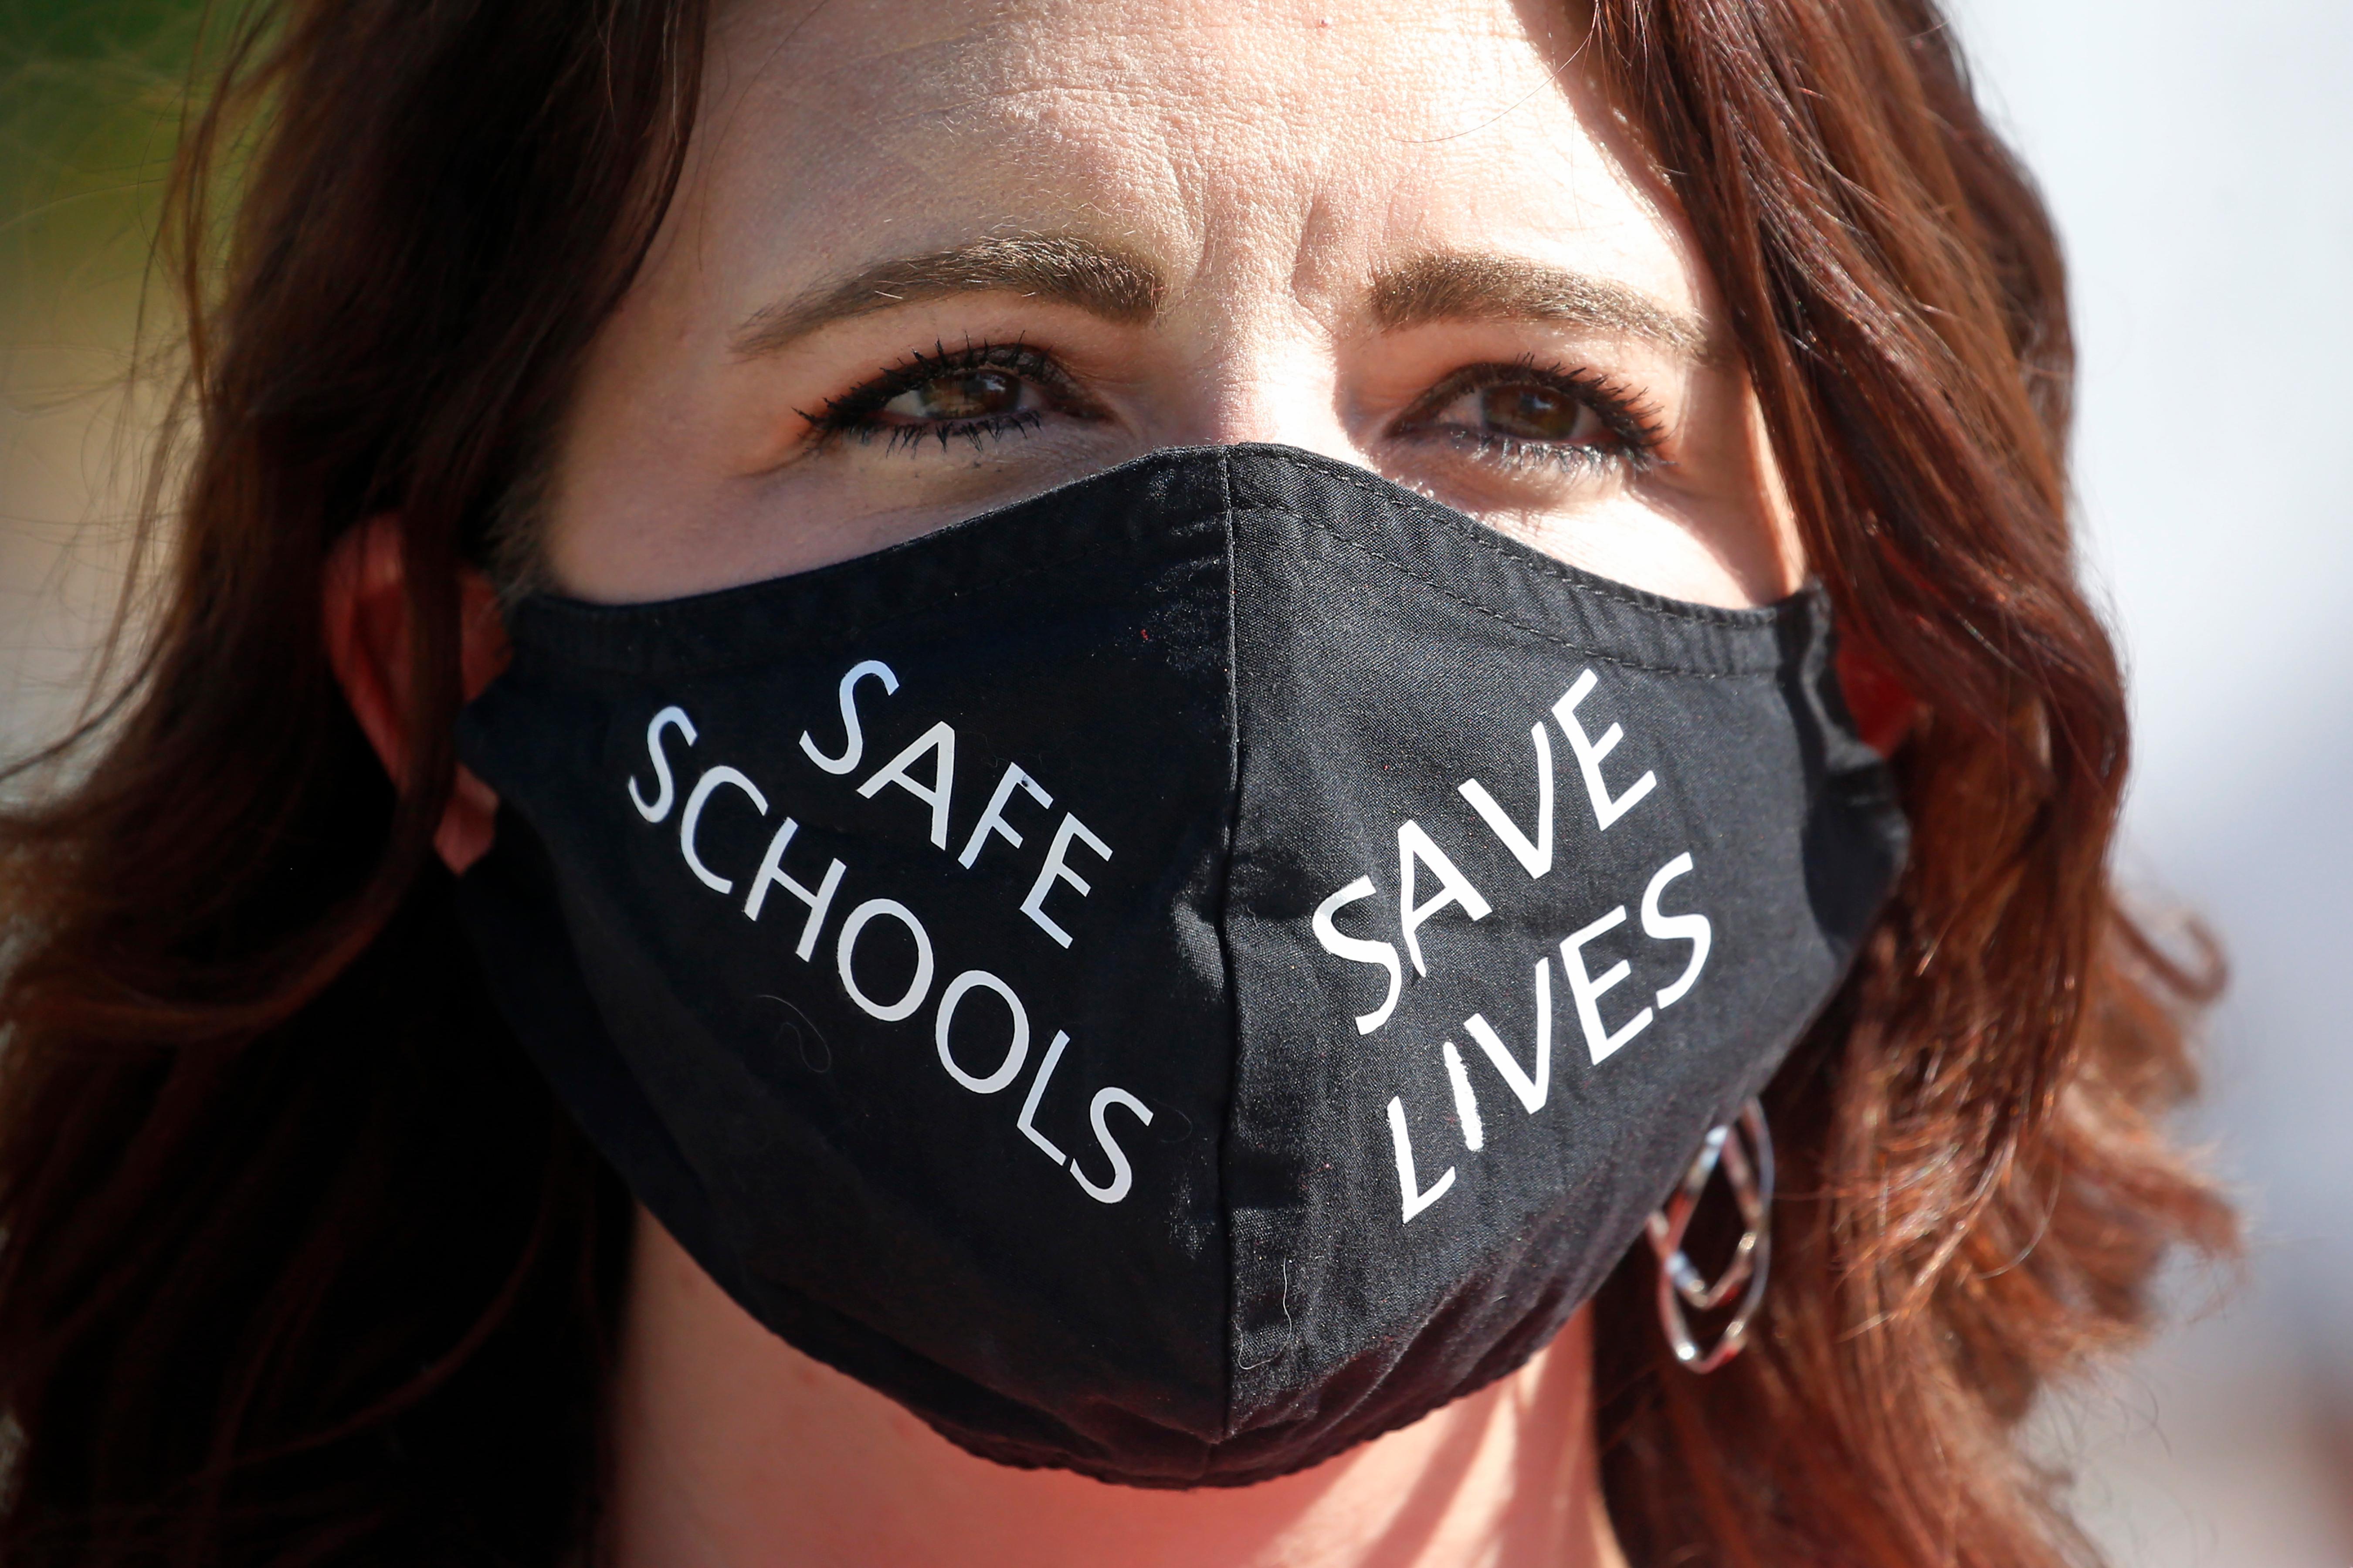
1234,1370
572,618
1773,672
579,620
575,621
1754,618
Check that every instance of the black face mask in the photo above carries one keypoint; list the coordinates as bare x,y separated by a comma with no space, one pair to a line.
1178,977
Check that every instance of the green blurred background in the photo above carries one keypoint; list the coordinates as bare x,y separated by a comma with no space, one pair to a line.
89,97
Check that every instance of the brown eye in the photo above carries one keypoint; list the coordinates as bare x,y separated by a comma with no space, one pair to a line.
982,393
979,392
1530,411
1513,414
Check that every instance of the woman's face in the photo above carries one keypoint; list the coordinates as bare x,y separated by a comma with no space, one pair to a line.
930,258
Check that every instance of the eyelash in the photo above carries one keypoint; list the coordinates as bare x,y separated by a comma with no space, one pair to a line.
851,415
1631,420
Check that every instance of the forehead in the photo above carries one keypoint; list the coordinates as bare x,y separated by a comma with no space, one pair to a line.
1312,136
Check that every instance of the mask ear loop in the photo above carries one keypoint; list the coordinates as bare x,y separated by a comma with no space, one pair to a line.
1748,1171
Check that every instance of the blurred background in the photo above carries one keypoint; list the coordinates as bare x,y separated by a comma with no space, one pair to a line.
2200,158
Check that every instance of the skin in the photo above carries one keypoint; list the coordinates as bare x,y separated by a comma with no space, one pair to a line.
1279,175
1268,168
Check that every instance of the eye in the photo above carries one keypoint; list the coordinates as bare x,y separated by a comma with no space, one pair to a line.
977,393
959,395
1522,412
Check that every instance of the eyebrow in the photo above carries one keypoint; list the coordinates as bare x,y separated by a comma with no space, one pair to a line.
1096,277
1457,288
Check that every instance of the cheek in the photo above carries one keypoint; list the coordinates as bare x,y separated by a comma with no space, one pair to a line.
1724,489
1775,521
1633,540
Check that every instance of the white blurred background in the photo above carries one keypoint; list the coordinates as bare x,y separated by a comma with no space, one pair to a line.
2200,158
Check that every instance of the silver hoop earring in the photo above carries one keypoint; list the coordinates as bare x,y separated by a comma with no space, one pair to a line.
1750,1170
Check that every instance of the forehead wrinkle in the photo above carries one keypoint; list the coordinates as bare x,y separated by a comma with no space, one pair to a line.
1096,277
1473,288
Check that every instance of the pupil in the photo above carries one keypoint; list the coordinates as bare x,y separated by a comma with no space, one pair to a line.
1531,413
972,395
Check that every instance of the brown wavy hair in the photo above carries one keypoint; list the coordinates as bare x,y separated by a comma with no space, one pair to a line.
300,1264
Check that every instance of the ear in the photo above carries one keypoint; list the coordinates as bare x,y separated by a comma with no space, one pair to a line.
365,613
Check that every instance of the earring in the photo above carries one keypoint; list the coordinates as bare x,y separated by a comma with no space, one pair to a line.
1748,1169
